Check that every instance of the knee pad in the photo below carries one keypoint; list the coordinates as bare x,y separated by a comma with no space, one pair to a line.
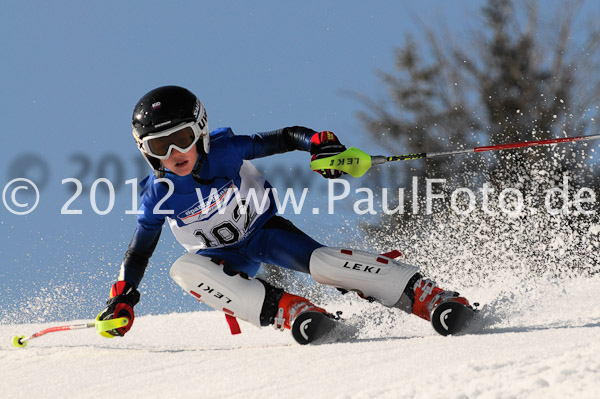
375,276
206,280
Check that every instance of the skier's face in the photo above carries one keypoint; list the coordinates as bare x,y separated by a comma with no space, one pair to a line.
181,163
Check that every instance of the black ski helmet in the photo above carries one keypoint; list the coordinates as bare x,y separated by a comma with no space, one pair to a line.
164,108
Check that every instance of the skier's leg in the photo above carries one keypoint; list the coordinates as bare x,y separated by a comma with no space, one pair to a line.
252,300
371,276
281,243
376,277
205,279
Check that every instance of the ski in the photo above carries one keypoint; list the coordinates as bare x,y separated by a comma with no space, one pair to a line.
451,317
314,327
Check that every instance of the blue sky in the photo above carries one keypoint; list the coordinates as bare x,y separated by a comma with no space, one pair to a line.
72,72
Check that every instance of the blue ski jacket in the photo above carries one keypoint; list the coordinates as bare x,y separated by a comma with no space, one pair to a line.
204,209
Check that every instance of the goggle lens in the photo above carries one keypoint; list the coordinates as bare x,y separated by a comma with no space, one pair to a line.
183,139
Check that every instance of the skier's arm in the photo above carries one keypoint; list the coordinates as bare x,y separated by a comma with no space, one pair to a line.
124,294
320,145
275,142
140,250
145,238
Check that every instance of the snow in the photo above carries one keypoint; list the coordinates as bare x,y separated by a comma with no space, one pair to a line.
537,338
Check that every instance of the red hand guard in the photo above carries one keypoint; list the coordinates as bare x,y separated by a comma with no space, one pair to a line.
323,145
123,297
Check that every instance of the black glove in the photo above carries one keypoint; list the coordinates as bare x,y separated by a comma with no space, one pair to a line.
123,297
323,145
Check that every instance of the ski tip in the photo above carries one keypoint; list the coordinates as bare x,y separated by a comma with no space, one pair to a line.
18,341
311,327
449,318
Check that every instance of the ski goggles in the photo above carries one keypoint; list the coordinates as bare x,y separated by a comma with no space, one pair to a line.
181,137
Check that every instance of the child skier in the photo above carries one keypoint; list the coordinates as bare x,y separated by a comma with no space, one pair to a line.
227,238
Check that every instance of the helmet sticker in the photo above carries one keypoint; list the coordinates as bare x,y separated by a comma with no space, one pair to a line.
197,108
162,124
203,120
156,105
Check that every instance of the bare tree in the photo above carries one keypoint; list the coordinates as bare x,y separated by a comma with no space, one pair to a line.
510,81
520,76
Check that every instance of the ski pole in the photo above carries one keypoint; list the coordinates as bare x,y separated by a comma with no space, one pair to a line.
101,326
356,162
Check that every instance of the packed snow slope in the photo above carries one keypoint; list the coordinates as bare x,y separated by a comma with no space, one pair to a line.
538,339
